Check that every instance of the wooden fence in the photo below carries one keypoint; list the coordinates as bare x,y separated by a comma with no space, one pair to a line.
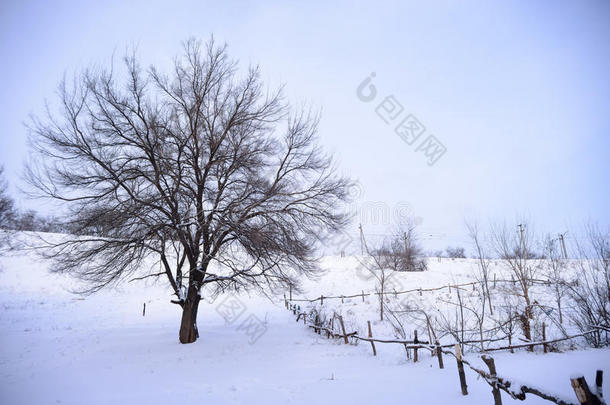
420,290
583,393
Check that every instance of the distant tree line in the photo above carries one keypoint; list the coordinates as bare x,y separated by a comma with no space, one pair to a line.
13,218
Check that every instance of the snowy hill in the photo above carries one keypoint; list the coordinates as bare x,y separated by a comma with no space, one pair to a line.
58,348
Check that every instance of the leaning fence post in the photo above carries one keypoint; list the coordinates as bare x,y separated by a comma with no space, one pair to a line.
415,342
460,366
144,310
362,295
439,354
494,377
343,329
583,393
371,337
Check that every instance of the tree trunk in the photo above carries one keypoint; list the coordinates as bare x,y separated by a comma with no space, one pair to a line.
188,326
491,311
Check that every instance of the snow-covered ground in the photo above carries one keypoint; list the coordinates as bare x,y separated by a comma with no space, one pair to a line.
58,348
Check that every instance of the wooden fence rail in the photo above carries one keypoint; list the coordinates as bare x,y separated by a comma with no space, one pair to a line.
421,344
583,393
420,290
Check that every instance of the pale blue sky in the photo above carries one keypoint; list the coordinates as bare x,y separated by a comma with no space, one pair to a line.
518,92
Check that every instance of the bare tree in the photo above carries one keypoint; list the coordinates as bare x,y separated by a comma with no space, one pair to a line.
556,268
469,317
507,318
398,253
411,257
401,252
512,248
455,252
482,259
377,264
7,212
591,293
7,205
202,168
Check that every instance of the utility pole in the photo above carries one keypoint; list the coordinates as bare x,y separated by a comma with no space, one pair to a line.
524,250
563,246
362,242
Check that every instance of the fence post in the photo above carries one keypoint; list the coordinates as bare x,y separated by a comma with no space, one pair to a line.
290,292
460,366
415,342
321,299
439,354
544,336
599,381
494,384
343,329
583,393
371,336
144,310
362,295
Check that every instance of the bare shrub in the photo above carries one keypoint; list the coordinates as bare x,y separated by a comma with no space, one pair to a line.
592,292
455,252
512,247
556,267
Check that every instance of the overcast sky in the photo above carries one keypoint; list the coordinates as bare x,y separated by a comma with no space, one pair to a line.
517,92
